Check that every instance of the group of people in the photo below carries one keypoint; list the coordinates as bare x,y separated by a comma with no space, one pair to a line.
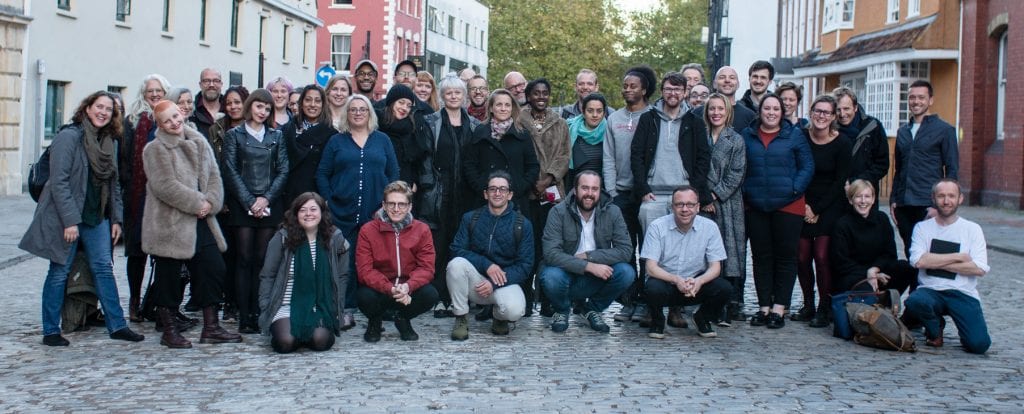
289,208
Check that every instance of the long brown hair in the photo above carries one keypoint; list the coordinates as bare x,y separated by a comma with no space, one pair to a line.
114,127
295,235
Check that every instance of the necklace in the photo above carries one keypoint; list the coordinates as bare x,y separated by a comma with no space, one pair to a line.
538,123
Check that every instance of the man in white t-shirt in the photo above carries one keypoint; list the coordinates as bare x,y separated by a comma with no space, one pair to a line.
949,253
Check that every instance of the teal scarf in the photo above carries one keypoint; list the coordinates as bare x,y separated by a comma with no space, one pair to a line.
578,129
312,303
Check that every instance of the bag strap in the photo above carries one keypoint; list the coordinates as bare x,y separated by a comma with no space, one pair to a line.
854,293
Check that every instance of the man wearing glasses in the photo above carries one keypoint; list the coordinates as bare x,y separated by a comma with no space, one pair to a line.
684,254
209,105
478,93
515,82
493,253
366,78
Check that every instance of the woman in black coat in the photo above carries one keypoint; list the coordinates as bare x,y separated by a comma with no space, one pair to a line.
497,145
401,121
305,139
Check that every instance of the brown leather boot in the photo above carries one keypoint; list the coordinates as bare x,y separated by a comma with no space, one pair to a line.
171,337
213,333
675,317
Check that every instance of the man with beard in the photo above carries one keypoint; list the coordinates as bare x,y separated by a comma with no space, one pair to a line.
698,95
870,143
405,74
684,254
949,252
637,88
761,75
478,93
209,107
365,76
515,82
926,151
586,254
666,153
586,84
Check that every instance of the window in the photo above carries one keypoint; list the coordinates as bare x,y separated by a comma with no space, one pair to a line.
855,81
233,36
466,37
838,15
1001,88
893,14
284,43
432,18
305,47
341,51
913,8
880,96
234,78
122,10
909,72
116,89
451,27
342,2
202,20
64,5
54,117
166,23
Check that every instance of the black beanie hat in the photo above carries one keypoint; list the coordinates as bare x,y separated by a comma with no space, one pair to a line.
400,91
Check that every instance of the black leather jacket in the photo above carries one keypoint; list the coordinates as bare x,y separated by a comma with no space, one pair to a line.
251,168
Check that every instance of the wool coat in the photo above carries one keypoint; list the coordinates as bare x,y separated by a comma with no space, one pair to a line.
550,143
725,182
182,173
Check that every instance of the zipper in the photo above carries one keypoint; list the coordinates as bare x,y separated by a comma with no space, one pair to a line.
398,258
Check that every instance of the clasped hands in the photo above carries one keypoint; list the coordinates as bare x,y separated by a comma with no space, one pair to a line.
688,286
877,278
400,293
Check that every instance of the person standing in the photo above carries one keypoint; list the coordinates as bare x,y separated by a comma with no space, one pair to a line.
515,83
339,88
791,96
305,139
478,93
426,90
726,82
499,145
586,84
280,87
926,152
210,105
870,144
402,121
365,75
761,75
80,208
586,137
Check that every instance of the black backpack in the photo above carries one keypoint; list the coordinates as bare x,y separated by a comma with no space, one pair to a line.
38,175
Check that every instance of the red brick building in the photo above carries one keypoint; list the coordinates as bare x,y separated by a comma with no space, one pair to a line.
991,98
384,31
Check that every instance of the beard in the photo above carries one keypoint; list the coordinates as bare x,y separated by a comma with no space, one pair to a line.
211,94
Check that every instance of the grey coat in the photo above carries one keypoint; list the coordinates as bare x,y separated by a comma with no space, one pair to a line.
562,236
274,276
63,198
725,180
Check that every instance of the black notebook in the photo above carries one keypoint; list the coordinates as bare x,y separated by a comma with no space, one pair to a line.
942,247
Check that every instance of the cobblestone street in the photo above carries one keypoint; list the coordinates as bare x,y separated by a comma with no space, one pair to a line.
794,369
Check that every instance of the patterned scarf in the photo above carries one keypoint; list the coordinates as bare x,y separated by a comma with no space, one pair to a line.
499,128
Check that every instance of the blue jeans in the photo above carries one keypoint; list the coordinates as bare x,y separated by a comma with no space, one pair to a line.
562,287
97,244
928,306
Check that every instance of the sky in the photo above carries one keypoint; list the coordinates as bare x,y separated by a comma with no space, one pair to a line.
635,5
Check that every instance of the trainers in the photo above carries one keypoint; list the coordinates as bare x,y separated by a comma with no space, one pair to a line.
126,334
656,331
460,332
639,312
725,323
625,314
560,322
775,321
55,340
759,319
597,322
704,328
499,327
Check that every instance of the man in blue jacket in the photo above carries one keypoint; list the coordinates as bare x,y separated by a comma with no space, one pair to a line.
493,252
926,152
586,254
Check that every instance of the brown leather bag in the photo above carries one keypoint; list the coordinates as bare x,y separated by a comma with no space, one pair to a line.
879,325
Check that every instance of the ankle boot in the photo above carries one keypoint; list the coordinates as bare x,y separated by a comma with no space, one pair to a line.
134,315
213,333
405,330
171,337
373,329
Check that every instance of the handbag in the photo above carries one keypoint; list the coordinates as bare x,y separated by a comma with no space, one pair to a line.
841,318
879,326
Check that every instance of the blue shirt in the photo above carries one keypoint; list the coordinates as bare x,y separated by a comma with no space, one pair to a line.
686,254
352,179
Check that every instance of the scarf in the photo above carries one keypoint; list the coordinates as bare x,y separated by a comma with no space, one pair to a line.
302,126
478,112
398,226
499,128
99,149
401,132
312,303
578,129
137,190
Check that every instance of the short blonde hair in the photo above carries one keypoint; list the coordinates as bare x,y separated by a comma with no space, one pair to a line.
400,187
858,185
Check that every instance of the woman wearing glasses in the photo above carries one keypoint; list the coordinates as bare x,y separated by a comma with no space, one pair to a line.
832,159
356,165
395,262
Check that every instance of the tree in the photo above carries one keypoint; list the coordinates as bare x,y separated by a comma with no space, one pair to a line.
667,37
555,39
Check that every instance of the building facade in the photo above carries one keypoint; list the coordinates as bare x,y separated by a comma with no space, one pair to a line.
991,150
76,47
13,30
456,36
747,34
383,31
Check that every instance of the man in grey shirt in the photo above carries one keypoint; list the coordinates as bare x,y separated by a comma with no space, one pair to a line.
684,254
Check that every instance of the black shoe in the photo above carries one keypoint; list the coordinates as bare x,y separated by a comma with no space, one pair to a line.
759,319
545,310
704,328
444,312
775,321
127,334
373,328
805,314
821,319
55,340
247,328
656,331
734,312
405,330
484,314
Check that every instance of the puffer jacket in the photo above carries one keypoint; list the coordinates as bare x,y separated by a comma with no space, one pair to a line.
779,173
252,168
562,235
493,242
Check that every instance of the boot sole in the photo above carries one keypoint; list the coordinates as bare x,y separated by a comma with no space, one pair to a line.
219,341
169,345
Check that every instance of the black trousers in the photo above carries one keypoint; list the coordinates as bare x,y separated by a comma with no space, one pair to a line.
373,304
906,218
711,297
774,237
207,277
630,209
538,216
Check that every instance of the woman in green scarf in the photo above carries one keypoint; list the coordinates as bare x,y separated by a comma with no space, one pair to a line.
302,285
586,137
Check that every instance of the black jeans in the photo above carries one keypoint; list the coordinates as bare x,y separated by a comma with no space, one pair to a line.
251,249
711,297
630,209
774,237
906,218
206,270
373,304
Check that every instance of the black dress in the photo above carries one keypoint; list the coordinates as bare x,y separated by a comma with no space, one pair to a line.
825,193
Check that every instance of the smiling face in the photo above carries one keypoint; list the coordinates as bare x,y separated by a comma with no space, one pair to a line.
453,98
478,91
423,90
672,95
699,95
515,82
309,215
771,113
919,101
154,92
759,80
186,103
586,84
358,114
685,206
846,111
863,201
716,112
366,79
293,102
501,109
312,105
338,94
593,114
233,106
727,81
100,112
280,93
210,83
259,111
171,121
588,192
789,102
947,198
396,205
497,193
632,89
822,115
401,108
539,97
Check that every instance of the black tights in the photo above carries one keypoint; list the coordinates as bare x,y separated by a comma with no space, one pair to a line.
136,269
252,247
283,342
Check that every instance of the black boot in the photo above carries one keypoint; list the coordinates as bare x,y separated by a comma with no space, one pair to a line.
373,329
213,333
405,330
171,337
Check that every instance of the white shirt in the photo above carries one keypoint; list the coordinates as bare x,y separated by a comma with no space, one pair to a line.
587,242
972,241
258,135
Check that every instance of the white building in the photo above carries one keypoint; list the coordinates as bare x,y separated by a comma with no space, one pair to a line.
751,26
456,36
76,47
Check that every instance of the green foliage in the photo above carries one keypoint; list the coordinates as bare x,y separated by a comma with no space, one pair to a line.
668,37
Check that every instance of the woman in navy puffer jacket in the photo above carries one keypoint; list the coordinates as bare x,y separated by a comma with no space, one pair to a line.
779,168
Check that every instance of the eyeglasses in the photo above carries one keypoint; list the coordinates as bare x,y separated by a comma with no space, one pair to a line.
699,95
673,91
821,114
210,82
366,74
395,206
685,205
518,86
498,190
478,89
405,74
358,110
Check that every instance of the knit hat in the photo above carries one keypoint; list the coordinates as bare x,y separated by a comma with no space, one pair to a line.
397,92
